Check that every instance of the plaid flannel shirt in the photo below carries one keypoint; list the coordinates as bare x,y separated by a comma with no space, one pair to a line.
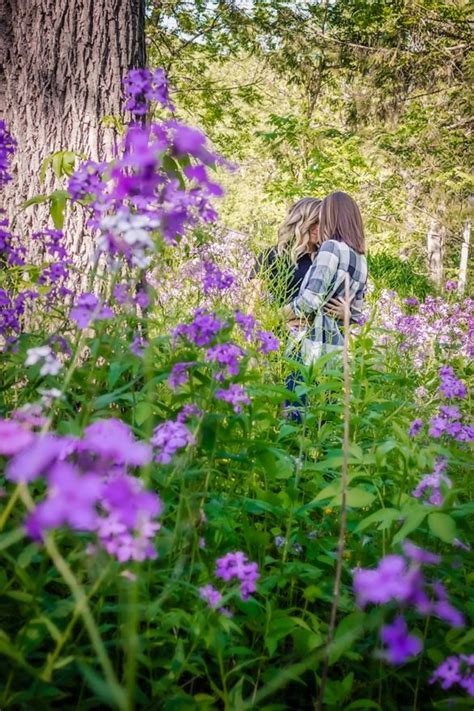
325,280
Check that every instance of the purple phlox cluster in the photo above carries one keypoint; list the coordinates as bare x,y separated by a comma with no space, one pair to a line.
235,395
12,308
400,579
138,345
400,645
141,87
12,252
430,488
14,437
267,342
236,565
227,356
128,235
209,594
448,422
30,414
451,386
7,149
88,487
123,296
87,309
451,285
214,279
247,323
179,374
189,411
88,182
456,670
415,427
202,330
429,327
168,438
49,364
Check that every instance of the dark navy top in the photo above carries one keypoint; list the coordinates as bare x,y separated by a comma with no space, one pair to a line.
284,277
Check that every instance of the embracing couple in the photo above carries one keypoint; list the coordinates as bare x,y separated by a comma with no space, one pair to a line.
319,243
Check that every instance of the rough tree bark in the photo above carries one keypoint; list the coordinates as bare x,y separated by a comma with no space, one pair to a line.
435,249
61,68
466,238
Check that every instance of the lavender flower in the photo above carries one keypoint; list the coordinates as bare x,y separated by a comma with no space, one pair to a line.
88,308
7,149
430,487
401,646
209,594
202,329
451,386
189,411
227,356
268,342
215,279
141,87
235,395
13,437
415,427
179,374
247,323
236,565
139,345
456,670
168,438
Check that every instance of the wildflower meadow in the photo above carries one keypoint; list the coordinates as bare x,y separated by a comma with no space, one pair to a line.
171,537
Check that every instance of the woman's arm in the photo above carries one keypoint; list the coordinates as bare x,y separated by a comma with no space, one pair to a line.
317,290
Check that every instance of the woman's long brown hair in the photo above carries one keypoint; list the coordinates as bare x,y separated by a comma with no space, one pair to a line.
340,219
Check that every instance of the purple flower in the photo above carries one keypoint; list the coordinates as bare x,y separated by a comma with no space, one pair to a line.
389,581
13,437
227,356
87,309
419,555
236,565
451,386
214,279
235,395
141,87
50,365
451,285
247,323
112,440
430,487
415,427
268,342
456,670
209,594
7,149
189,411
88,181
179,374
139,345
401,646
30,463
202,329
450,411
168,438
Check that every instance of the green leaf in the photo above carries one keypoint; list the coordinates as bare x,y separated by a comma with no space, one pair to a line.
142,412
356,498
383,516
8,539
36,200
57,204
442,526
412,521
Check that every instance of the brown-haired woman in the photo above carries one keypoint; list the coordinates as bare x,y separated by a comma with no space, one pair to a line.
341,252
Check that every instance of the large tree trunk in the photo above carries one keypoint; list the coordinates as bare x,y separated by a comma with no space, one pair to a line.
466,238
61,68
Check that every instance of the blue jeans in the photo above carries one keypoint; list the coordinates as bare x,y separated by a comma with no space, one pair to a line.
294,408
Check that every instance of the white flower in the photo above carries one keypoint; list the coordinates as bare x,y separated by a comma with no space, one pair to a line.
44,355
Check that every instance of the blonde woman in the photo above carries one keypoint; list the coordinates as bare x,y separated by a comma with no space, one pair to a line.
285,265
341,253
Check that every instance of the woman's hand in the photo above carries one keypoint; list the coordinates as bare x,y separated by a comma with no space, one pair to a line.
335,308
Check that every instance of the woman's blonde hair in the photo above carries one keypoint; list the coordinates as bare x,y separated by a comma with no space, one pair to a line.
340,219
293,235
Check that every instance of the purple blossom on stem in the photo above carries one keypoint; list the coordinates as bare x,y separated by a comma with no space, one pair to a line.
179,374
7,149
13,437
236,565
88,308
430,487
141,87
451,386
227,356
247,323
50,365
235,395
401,646
202,329
415,427
139,345
209,594
456,670
268,342
215,279
189,411
168,438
